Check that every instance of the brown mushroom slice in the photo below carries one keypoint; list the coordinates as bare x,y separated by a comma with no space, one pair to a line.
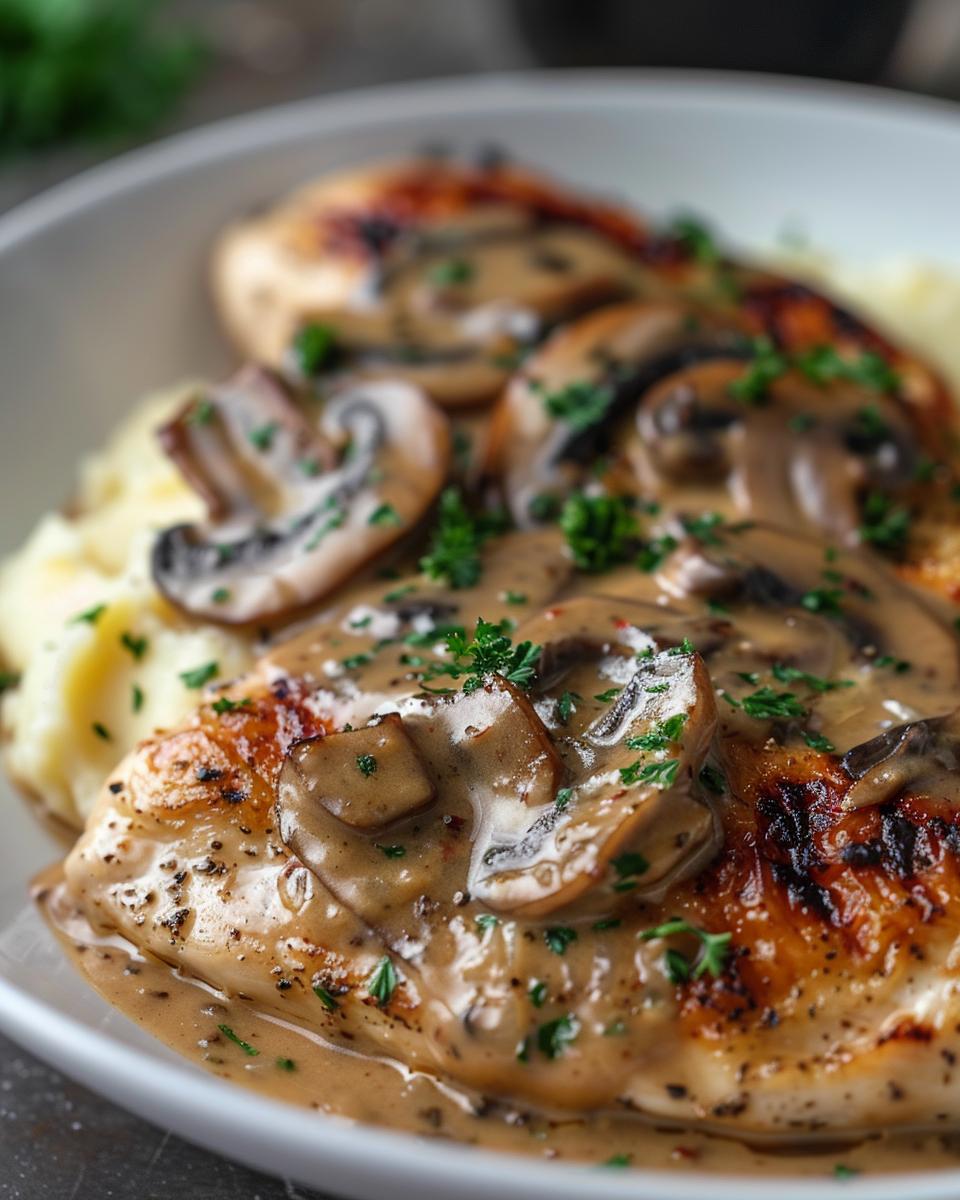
617,353
280,537
424,270
921,756
370,833
800,456
640,808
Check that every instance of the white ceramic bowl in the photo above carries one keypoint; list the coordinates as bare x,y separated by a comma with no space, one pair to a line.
102,296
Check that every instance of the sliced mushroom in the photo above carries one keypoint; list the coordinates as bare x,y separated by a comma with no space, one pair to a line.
921,756
617,354
801,455
639,808
285,527
424,270
368,831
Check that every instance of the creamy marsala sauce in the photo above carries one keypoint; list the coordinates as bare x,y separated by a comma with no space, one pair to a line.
604,808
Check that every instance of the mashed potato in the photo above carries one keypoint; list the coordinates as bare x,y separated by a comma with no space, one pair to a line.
99,650
86,694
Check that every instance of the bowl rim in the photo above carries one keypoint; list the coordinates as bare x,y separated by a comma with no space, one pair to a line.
370,1154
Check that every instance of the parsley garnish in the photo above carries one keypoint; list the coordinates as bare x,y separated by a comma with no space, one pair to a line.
816,683
562,798
661,774
394,850
842,1171
454,554
262,437
325,998
196,677
486,921
136,697
201,413
766,705
136,645
767,366
313,347
515,597
580,404
559,937
489,652
354,661
383,981
220,595
89,616
606,923
537,993
286,1064
714,947
713,779
101,731
816,741
385,514
366,765
618,1160
223,704
697,240
661,735
628,867
652,554
452,272
608,695
601,531
565,706
249,1050
885,523
825,600
704,528
823,365
554,1037
8,679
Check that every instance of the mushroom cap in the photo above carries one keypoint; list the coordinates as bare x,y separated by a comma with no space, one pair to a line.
279,536
365,251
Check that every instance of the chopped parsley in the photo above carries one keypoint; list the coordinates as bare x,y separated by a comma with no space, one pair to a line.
823,600
661,735
704,528
286,1064
816,741
454,554
713,779
8,679
101,731
325,998
565,706
842,1171
366,765
489,652
661,774
816,683
136,645
824,364
136,698
223,704
767,705
486,921
393,850
385,514
537,993
608,695
559,938
562,798
767,366
201,412
515,597
89,616
886,524
618,1160
714,947
220,595
696,240
250,1051
452,272
262,437
628,866
606,923
383,981
653,553
554,1037
580,404
314,346
601,531
196,677
544,507
354,661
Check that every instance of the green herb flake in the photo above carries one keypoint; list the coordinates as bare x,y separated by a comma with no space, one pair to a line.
366,765
767,705
629,865
816,683
842,1171
220,595
816,741
452,273
661,736
608,695
618,1160
885,523
562,798
353,662
385,514
767,366
601,531
565,706
485,921
201,412
8,680
509,597
489,651
559,938
661,774
705,528
196,677
538,993
223,704
383,981
713,779
101,731
555,1036
263,436
823,600
314,346
250,1051
714,947
325,998
655,551
606,923
285,1064
580,404
136,698
696,239
454,553
89,616
136,645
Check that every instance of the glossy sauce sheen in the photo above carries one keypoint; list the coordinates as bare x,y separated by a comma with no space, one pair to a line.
695,864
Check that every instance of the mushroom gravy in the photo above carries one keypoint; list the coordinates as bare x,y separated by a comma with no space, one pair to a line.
613,787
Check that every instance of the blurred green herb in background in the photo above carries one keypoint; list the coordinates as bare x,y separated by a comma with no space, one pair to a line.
88,70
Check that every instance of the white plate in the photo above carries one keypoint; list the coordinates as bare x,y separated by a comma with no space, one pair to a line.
102,297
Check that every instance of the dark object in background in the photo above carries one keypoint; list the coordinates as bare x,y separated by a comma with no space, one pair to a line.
87,70
839,39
